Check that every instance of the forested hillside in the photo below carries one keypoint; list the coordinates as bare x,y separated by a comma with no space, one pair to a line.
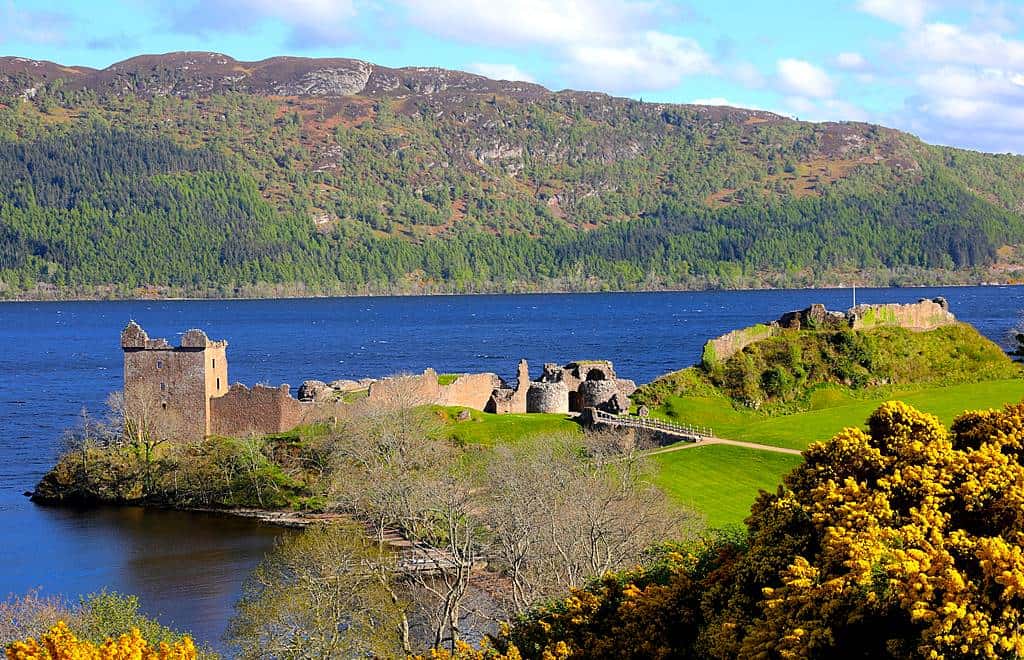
192,173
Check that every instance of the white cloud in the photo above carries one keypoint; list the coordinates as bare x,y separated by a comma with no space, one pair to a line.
966,81
656,61
603,44
840,110
801,78
963,94
943,42
722,101
977,107
518,22
40,27
825,109
800,106
907,13
500,71
851,61
746,74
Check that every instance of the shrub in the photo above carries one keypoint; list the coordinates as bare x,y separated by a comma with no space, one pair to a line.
59,643
901,542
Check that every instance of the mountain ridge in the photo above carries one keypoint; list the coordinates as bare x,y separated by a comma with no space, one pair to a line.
329,160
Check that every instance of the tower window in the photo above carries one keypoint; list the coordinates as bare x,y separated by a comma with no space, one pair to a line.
159,364
163,404
218,384
214,363
163,387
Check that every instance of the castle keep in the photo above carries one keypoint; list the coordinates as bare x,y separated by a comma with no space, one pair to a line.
181,392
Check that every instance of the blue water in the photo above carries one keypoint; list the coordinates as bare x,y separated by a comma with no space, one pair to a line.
57,358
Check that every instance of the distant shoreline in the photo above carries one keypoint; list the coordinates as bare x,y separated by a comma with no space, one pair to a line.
540,292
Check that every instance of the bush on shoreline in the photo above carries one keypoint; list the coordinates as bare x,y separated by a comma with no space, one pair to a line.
31,622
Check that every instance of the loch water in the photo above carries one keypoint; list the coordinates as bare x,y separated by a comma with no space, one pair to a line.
187,568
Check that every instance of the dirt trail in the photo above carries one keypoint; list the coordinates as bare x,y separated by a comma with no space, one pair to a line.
679,446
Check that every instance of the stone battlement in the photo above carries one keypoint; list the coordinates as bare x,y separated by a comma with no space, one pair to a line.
921,316
133,337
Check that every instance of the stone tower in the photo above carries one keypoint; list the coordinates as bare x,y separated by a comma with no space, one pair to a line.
167,389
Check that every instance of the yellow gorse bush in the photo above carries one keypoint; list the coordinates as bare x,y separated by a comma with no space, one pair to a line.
59,643
920,519
903,541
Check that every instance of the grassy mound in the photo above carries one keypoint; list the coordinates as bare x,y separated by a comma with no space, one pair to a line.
793,370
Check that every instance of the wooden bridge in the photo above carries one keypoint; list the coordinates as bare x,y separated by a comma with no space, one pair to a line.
418,557
682,431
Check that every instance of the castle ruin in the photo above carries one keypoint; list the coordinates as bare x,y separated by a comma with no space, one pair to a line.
565,389
182,393
922,316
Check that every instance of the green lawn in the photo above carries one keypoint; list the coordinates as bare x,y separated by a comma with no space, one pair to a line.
486,429
834,410
720,481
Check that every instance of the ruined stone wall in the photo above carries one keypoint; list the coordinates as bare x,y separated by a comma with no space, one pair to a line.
261,410
505,400
517,403
722,348
919,317
469,391
412,389
597,393
165,392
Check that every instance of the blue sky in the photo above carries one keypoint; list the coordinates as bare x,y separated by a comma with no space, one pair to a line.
951,71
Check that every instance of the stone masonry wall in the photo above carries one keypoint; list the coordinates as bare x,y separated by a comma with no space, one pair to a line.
259,410
549,397
164,392
470,391
412,389
921,316
167,388
722,348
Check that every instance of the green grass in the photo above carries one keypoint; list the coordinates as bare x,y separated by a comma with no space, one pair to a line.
354,395
447,379
833,410
720,481
779,374
486,429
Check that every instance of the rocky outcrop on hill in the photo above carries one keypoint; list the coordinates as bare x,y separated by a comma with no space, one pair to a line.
194,74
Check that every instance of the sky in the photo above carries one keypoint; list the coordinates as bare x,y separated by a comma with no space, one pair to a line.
950,71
